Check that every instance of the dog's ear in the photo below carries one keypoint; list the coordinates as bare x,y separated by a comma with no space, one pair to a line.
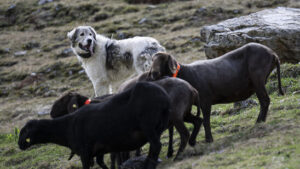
72,34
93,32
172,64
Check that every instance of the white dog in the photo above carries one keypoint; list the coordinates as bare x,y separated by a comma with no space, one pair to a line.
106,61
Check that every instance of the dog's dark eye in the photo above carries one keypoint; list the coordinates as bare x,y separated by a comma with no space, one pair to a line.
82,34
90,34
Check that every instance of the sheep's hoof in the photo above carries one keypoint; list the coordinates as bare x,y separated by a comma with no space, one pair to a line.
170,154
192,142
209,140
177,158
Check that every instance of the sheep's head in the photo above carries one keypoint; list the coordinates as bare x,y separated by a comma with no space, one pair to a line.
163,64
67,104
27,135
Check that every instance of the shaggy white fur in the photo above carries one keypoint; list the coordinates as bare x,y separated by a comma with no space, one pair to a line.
130,57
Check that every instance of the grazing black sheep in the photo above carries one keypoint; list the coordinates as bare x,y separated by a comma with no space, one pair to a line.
235,76
124,122
182,96
70,102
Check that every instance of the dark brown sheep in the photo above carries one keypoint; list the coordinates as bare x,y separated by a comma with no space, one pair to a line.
232,77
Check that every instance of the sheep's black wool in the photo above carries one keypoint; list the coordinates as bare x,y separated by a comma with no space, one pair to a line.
124,122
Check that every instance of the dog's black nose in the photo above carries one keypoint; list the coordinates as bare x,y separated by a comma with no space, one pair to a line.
89,41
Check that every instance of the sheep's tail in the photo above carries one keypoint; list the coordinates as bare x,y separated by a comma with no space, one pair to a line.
278,74
165,118
196,101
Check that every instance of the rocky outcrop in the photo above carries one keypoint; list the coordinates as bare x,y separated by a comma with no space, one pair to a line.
277,28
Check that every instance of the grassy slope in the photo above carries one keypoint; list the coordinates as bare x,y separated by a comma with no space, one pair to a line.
238,142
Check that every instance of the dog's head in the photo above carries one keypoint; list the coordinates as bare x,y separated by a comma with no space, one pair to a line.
163,64
83,41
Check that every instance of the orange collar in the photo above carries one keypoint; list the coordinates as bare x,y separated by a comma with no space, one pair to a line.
177,70
88,101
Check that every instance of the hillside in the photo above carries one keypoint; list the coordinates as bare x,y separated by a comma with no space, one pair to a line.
37,66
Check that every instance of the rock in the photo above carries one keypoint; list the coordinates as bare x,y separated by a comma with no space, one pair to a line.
31,45
7,63
10,9
245,104
4,51
65,53
276,28
20,53
100,17
81,71
42,2
50,93
151,7
43,110
143,20
134,163
4,92
147,1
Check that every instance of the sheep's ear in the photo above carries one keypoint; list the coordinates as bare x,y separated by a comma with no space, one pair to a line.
93,32
172,64
72,34
27,140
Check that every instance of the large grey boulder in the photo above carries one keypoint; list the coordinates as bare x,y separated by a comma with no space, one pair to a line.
277,28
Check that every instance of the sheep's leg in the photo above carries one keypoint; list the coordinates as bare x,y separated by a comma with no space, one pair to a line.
184,136
122,157
155,147
264,101
112,160
85,160
197,121
170,148
138,152
100,161
206,108
125,156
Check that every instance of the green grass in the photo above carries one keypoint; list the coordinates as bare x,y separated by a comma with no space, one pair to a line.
238,141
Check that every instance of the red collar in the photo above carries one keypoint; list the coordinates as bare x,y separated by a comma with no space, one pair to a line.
177,70
88,101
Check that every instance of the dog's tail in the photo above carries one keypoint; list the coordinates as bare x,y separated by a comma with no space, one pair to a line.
278,74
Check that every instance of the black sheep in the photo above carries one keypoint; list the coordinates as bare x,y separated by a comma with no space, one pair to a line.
182,96
124,122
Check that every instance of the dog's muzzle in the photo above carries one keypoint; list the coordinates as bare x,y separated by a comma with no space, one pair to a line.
89,48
